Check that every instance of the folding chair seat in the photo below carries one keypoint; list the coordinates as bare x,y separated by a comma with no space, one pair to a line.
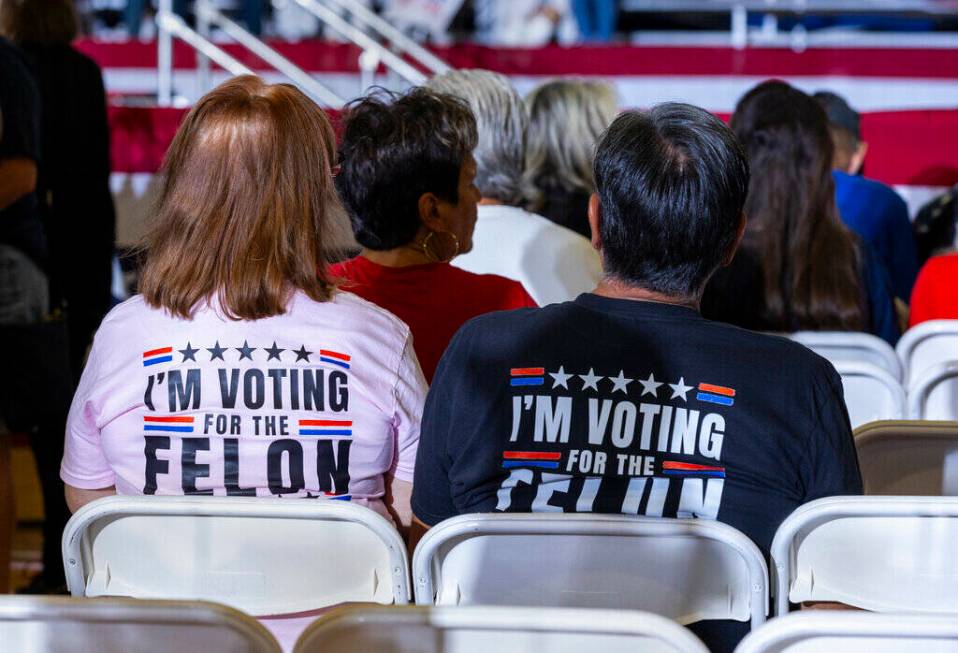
500,629
684,569
262,556
885,554
908,458
926,345
848,631
871,394
48,624
852,347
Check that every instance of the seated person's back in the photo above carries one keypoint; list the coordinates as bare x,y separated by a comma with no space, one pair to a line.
626,400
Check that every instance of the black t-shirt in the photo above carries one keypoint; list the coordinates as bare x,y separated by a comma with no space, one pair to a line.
20,224
620,406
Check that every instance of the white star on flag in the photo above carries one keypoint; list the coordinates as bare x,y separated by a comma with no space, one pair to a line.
590,380
650,386
560,378
680,389
620,382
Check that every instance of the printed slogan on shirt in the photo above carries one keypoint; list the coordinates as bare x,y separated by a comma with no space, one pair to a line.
645,446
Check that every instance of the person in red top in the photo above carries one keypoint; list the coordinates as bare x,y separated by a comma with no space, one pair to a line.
407,180
934,296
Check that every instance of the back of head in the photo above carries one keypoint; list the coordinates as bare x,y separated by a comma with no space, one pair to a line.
566,119
246,205
844,124
38,22
671,184
394,149
810,260
501,121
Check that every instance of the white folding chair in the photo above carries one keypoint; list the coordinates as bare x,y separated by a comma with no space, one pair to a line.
500,629
933,394
848,631
871,393
885,554
684,569
852,347
262,556
908,458
925,345
59,624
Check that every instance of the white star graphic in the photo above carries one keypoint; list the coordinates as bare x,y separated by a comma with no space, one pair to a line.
680,389
650,386
560,378
620,382
590,380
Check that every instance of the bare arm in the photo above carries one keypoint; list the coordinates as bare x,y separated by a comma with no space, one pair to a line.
17,178
397,499
77,497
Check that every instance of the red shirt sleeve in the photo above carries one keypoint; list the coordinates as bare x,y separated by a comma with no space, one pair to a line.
934,296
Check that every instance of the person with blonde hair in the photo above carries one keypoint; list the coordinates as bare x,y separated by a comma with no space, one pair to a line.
553,263
239,370
566,119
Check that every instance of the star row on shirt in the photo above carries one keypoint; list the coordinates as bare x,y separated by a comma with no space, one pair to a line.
620,383
216,352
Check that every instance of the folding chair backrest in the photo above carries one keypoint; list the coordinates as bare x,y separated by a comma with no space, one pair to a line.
909,458
926,345
933,394
262,556
35,624
499,629
850,631
871,393
885,554
683,569
851,347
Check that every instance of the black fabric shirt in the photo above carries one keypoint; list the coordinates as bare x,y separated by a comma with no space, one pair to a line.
619,406
20,224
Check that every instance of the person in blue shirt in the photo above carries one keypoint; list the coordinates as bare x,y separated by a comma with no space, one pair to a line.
870,208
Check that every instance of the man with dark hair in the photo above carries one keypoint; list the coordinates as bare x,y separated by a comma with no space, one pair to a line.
626,400
869,208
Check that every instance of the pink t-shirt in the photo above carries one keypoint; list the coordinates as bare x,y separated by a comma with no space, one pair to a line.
319,402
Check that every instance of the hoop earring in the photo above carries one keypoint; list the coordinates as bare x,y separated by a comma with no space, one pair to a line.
431,255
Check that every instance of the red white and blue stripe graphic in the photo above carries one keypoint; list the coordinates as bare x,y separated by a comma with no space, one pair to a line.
326,427
156,356
676,468
527,376
337,497
171,424
716,394
540,459
334,357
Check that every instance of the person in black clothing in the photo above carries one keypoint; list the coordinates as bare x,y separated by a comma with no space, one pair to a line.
626,400
74,181
70,237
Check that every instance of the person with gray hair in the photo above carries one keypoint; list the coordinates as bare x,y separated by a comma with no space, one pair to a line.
566,119
553,263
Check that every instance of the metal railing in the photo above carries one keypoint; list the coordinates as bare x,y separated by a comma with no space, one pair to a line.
402,56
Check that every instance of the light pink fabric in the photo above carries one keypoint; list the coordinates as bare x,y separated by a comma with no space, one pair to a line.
319,402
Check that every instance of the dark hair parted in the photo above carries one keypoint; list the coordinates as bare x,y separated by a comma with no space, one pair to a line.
38,22
394,149
671,184
246,206
811,261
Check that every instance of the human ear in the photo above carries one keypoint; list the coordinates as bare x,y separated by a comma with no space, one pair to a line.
739,234
595,221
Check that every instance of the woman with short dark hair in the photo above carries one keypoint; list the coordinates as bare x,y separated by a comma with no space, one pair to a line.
407,179
239,371
799,268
